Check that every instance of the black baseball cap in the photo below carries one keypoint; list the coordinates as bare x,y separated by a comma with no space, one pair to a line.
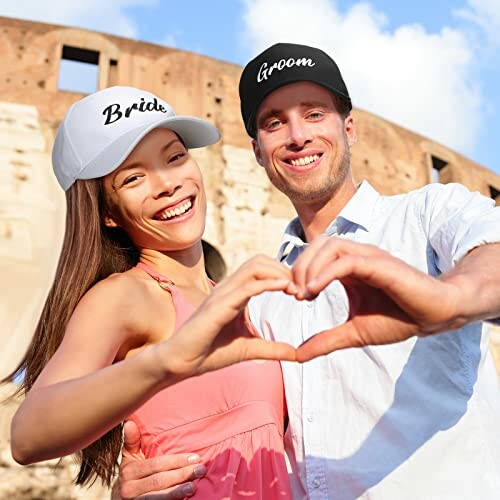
281,64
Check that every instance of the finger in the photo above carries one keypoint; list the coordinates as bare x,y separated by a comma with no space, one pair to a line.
376,330
131,438
171,482
145,467
178,493
409,288
256,269
373,271
299,269
229,302
256,348
337,248
327,341
248,349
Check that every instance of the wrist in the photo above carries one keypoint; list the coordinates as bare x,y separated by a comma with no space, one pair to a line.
463,294
158,366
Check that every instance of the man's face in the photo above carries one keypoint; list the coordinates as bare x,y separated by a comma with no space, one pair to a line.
303,143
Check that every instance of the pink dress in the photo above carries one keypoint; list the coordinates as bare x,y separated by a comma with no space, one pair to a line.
233,418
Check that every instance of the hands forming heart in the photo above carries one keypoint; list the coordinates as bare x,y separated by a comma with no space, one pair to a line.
389,301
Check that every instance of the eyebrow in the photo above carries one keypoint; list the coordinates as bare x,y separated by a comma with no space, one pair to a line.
138,163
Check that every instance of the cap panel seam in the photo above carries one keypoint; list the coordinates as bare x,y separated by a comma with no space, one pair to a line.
73,150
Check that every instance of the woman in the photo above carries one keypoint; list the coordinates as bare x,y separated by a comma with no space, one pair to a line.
131,273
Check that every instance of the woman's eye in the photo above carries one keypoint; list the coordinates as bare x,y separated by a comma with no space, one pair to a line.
177,156
130,179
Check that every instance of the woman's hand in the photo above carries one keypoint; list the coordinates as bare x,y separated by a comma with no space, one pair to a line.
216,335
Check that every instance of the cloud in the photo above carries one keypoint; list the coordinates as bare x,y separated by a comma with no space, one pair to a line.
486,15
108,16
420,80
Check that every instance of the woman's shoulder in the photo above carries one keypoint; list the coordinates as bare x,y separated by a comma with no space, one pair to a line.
130,298
119,289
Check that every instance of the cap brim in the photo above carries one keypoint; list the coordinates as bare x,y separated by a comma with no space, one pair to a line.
195,133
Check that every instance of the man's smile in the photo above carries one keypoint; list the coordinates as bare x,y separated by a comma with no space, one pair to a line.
302,162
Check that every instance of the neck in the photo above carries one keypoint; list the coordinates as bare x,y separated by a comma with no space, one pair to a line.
186,268
316,216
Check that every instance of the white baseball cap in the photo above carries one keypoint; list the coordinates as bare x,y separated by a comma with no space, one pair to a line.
101,130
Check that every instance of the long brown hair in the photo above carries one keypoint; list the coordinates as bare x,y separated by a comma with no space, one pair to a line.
90,252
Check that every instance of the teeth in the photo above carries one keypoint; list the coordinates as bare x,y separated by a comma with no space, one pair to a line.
300,162
168,214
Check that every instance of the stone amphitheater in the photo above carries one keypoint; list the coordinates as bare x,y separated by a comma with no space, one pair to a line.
245,214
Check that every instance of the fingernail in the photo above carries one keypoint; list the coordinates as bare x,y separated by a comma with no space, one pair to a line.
199,471
194,458
188,489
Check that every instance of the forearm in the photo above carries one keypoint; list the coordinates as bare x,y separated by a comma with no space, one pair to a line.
62,418
477,277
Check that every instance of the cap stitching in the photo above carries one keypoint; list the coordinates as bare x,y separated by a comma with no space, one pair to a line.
73,150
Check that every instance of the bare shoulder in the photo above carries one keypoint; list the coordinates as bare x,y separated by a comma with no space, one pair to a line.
128,298
111,319
128,308
117,293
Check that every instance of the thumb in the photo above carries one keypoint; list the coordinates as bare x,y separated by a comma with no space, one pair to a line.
327,341
131,438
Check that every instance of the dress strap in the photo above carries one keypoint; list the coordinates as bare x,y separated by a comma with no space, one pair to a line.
163,281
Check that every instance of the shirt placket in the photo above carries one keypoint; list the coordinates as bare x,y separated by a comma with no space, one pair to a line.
311,397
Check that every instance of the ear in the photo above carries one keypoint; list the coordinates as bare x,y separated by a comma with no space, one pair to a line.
350,130
109,221
257,152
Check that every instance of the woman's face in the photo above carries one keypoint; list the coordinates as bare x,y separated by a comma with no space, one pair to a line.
156,195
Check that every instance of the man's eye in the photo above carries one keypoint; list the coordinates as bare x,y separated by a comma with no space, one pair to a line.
315,115
273,124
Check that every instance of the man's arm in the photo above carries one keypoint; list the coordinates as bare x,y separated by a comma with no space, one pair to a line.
478,276
391,301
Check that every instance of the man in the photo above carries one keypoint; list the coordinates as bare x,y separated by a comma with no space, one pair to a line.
399,412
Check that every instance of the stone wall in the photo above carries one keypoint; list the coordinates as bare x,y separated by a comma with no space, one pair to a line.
52,480
246,215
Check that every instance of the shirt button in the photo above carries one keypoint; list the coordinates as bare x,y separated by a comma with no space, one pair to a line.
309,303
310,418
316,483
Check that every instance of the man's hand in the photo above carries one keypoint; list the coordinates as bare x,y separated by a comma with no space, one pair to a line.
168,477
389,301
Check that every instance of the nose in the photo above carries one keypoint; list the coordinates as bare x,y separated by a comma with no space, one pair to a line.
298,133
164,183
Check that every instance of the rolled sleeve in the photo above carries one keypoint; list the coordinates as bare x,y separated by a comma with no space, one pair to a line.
456,221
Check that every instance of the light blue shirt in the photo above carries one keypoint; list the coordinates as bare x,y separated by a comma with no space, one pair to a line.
419,419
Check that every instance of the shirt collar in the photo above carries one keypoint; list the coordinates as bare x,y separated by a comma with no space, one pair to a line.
358,210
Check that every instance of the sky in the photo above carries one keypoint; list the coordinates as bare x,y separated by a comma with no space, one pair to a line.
432,66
